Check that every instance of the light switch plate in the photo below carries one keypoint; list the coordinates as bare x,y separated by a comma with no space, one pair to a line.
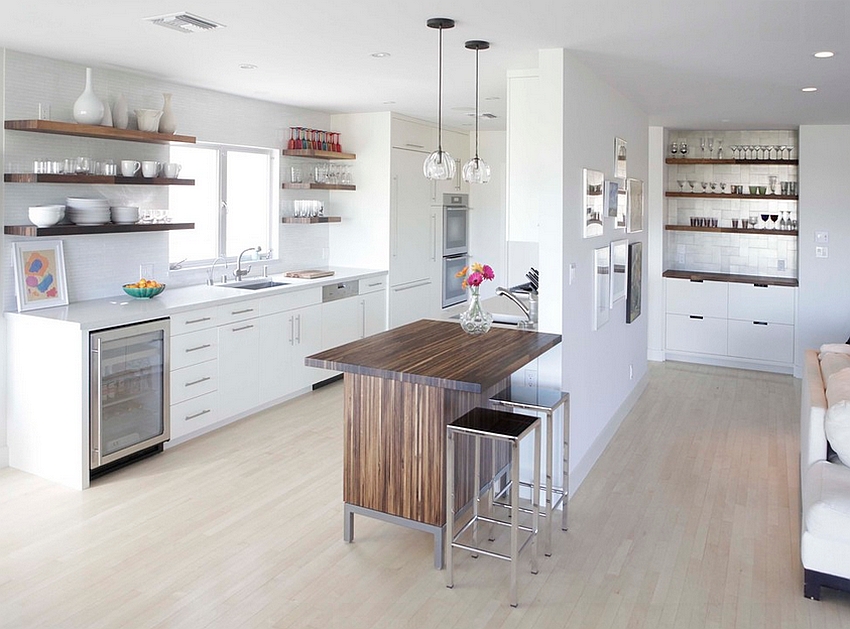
822,238
821,252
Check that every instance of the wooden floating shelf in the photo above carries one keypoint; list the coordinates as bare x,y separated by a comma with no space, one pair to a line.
723,195
696,160
311,219
95,131
731,277
317,154
732,230
319,186
95,179
108,228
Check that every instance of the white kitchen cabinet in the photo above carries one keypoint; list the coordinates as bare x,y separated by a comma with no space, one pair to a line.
193,381
193,348
734,323
239,348
410,302
413,136
194,415
374,315
341,322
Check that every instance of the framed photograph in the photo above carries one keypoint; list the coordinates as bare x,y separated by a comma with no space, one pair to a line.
619,260
634,293
620,158
612,189
601,286
593,183
622,206
634,189
39,268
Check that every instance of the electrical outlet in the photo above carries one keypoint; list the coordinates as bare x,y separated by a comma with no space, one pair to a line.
822,238
530,378
821,252
780,265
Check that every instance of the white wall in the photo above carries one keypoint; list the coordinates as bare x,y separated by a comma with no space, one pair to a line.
4,448
824,301
655,306
487,218
98,265
595,364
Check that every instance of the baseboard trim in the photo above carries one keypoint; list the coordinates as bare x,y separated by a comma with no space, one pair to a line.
655,355
728,361
4,456
582,469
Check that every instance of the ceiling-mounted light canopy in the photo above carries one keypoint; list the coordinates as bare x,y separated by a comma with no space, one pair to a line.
476,170
439,164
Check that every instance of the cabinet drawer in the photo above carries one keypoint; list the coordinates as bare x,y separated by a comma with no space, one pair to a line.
761,341
193,415
373,284
774,304
192,320
193,381
238,311
289,301
697,298
413,136
194,348
689,333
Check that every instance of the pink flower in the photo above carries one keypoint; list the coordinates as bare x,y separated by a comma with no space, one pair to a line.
475,278
487,272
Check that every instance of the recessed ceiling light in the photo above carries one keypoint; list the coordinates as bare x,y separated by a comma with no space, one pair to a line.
247,66
380,55
810,89
824,54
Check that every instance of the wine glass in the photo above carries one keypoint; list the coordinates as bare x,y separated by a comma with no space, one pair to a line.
752,221
702,147
780,150
774,218
674,149
713,185
681,183
711,148
722,187
783,224
683,148
704,186
789,148
764,218
719,148
692,184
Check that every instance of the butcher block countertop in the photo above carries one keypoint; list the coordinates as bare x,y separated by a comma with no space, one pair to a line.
439,354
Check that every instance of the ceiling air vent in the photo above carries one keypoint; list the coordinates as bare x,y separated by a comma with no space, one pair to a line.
184,22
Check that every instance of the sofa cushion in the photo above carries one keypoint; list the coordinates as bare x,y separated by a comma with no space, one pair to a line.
838,387
835,348
837,427
832,363
827,501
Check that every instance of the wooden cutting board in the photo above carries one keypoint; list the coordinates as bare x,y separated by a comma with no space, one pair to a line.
309,274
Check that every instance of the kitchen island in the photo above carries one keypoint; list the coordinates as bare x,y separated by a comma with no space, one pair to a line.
402,387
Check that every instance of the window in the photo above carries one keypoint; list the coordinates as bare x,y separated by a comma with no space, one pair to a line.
233,203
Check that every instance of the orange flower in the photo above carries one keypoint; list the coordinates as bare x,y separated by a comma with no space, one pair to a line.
462,272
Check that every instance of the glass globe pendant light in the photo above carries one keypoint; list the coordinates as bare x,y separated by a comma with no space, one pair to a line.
476,170
439,164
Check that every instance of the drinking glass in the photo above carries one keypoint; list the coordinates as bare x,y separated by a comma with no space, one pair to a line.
722,187
674,149
719,149
683,148
789,148
704,186
774,218
681,183
692,184
752,221
711,148
764,218
772,183
702,147
713,185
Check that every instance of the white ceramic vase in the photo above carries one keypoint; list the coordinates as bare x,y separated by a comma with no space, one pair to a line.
167,123
120,113
107,115
88,108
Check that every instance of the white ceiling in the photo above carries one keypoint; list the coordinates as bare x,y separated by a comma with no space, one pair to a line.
686,63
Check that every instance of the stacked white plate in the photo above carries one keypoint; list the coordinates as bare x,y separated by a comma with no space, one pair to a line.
83,211
125,214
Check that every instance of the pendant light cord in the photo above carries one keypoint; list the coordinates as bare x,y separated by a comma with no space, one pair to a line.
440,99
476,105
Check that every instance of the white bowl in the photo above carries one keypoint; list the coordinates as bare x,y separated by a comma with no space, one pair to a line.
46,215
125,214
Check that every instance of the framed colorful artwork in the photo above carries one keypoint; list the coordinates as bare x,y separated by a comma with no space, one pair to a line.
634,189
612,189
39,268
620,158
633,297
593,209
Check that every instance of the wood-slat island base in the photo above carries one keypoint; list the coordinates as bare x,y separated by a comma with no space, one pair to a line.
402,387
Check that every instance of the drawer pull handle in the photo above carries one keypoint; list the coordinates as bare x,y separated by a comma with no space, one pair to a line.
416,146
244,327
760,285
201,320
375,284
236,312
696,316
203,412
759,322
194,382
696,281
195,349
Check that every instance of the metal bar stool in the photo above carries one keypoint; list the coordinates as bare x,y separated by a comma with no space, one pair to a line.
498,426
542,400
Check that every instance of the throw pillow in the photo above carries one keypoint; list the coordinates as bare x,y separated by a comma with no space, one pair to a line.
835,348
838,387
833,363
837,427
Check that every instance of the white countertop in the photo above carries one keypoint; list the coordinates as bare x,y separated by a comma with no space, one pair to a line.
121,309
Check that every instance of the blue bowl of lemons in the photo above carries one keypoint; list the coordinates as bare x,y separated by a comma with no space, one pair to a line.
144,289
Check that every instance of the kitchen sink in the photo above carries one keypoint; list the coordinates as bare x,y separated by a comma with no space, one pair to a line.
254,285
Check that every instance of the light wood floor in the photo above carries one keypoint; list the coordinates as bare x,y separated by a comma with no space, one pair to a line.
689,519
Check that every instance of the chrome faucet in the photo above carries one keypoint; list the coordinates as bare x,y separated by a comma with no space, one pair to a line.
529,311
211,271
239,273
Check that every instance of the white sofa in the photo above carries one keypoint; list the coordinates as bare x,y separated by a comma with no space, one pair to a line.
825,488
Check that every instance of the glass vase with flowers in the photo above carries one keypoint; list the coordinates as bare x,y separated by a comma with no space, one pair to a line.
475,320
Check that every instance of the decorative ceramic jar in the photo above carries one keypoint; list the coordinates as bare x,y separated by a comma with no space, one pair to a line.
167,123
88,108
120,113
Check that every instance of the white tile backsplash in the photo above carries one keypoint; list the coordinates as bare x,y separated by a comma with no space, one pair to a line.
98,265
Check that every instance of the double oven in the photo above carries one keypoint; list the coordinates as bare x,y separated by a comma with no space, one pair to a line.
455,244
